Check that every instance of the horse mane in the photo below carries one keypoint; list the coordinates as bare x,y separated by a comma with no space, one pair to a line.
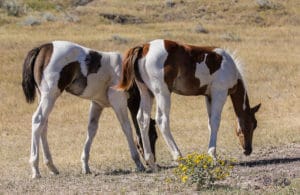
239,65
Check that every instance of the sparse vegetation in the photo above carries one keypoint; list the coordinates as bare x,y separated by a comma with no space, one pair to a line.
268,41
202,170
13,7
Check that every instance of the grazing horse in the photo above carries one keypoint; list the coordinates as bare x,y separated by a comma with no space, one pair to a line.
60,65
163,66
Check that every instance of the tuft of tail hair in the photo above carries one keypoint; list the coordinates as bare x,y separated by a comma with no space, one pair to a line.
28,82
129,67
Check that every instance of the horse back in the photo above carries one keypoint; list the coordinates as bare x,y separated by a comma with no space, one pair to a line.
186,69
76,69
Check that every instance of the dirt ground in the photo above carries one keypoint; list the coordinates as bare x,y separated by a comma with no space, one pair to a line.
268,170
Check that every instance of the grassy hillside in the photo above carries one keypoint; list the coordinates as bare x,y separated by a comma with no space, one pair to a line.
266,37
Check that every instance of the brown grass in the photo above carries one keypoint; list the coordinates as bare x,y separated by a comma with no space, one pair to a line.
269,50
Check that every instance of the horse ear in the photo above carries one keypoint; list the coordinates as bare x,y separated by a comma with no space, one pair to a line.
255,108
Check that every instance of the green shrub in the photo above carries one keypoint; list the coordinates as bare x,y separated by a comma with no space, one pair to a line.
202,169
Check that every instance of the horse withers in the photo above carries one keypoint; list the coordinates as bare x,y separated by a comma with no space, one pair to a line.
61,66
163,66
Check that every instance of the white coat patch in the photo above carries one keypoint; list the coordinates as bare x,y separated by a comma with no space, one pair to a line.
202,73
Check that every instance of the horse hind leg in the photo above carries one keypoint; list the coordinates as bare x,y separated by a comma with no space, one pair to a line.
133,105
46,151
162,119
144,120
95,112
39,121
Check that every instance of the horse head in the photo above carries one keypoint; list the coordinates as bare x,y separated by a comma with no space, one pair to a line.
245,129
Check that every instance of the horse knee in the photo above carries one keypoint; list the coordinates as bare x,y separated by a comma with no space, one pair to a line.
38,121
143,120
162,122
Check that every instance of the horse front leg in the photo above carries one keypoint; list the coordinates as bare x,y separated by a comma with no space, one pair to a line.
214,106
95,112
118,101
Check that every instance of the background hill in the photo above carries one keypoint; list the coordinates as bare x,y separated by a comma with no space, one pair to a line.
266,36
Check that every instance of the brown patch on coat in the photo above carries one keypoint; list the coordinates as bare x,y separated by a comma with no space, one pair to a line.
213,62
232,89
42,60
71,79
93,62
237,96
180,67
145,49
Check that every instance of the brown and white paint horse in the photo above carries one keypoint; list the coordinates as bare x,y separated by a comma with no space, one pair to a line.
60,65
162,66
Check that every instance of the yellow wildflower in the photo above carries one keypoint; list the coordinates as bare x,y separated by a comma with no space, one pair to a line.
184,178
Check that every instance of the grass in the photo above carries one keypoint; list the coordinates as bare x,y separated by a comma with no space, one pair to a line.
269,51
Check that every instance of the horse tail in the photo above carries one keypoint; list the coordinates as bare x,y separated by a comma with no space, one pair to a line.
129,68
28,82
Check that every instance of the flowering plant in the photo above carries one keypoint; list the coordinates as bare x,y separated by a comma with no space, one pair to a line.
202,169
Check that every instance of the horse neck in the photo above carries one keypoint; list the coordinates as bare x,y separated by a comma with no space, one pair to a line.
240,102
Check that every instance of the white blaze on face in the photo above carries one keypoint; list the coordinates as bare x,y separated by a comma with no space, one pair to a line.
202,73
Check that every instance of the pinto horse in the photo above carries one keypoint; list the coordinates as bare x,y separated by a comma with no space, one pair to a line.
61,66
163,66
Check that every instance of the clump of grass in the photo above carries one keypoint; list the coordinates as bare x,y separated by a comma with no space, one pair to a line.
39,5
200,29
202,170
170,3
231,37
267,5
119,39
31,21
12,8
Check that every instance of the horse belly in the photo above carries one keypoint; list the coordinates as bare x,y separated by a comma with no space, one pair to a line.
96,89
188,86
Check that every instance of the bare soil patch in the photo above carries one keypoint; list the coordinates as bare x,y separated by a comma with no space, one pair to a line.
268,168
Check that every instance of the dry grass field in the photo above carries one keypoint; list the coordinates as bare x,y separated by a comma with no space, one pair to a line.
266,38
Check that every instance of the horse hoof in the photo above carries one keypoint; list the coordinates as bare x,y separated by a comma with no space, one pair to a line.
36,176
140,169
86,172
56,172
153,169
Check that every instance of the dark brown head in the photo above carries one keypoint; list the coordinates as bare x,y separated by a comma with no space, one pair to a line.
245,129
